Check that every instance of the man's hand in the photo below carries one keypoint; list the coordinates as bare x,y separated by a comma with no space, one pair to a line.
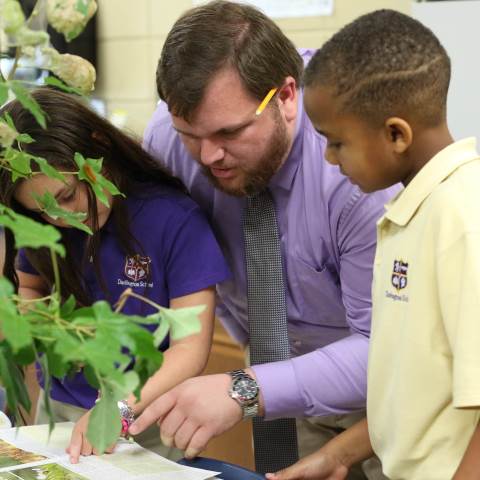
192,413
79,444
320,465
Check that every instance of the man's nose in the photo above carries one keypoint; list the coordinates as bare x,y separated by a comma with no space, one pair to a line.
210,152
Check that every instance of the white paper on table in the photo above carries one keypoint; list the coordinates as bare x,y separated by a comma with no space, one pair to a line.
288,8
130,460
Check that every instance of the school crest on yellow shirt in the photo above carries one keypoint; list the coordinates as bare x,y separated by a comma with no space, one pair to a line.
399,274
137,267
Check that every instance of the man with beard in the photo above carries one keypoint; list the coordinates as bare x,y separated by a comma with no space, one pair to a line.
220,62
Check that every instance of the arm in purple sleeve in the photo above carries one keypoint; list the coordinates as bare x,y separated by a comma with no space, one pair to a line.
333,379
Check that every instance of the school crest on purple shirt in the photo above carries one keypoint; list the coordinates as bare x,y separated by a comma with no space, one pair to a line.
137,267
399,275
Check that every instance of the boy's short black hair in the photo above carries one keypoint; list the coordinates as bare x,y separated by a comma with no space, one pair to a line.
385,64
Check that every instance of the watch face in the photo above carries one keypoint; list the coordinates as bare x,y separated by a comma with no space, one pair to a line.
246,388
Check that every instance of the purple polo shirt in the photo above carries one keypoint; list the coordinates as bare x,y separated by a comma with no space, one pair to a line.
327,231
179,251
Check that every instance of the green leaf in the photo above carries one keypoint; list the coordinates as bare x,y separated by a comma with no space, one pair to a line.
161,333
26,99
58,367
49,205
3,92
55,82
46,388
183,321
104,352
91,376
19,162
24,138
104,424
67,346
29,233
12,380
68,307
25,356
122,384
89,170
47,169
15,328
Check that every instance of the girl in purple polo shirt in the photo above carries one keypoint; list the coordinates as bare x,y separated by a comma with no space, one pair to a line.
155,241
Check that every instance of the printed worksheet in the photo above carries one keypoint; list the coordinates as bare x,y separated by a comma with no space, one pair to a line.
28,453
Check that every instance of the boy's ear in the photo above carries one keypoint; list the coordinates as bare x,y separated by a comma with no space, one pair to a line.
399,133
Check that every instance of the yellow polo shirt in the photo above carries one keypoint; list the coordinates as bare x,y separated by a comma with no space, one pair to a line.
424,362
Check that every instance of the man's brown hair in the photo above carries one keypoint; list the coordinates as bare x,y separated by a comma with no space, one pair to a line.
218,35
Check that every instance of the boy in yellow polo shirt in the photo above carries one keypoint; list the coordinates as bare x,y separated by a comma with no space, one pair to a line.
377,90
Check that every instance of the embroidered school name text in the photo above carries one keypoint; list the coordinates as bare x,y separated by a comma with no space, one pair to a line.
396,297
128,283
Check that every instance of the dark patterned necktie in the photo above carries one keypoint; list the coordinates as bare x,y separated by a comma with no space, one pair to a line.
275,441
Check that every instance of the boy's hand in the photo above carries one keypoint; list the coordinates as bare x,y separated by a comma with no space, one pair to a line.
321,465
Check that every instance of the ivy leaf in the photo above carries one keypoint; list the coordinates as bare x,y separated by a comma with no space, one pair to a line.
122,384
67,346
58,368
19,162
91,377
182,322
49,205
21,137
104,352
55,82
104,424
3,92
89,170
68,307
15,328
161,333
29,233
26,99
43,360
47,169
12,380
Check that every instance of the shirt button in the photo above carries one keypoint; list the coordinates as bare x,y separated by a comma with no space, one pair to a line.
297,343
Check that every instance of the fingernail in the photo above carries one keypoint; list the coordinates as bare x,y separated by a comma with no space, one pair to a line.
167,441
190,453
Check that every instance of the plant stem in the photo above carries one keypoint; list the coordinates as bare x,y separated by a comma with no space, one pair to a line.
129,293
56,273
15,64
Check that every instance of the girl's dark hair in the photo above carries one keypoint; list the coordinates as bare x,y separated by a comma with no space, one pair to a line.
73,127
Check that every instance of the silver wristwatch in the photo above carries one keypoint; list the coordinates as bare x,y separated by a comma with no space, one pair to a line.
244,390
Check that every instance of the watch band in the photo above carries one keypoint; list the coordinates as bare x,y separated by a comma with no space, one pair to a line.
249,408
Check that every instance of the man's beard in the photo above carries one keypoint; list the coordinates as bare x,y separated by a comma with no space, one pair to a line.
258,178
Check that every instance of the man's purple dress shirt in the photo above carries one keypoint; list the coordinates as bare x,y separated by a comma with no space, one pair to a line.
327,231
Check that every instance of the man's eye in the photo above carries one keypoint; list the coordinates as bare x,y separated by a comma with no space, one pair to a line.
232,133
334,144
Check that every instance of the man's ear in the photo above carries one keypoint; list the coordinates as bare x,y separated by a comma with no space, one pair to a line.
288,99
399,134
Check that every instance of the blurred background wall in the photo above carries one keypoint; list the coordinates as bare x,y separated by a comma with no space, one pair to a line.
130,35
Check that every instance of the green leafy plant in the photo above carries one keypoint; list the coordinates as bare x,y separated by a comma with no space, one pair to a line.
57,334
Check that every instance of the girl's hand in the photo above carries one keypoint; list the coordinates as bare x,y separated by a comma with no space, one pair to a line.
79,444
321,465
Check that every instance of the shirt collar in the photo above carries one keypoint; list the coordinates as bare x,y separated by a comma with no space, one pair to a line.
284,177
403,206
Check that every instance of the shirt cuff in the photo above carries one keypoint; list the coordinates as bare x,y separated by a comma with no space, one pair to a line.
280,390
